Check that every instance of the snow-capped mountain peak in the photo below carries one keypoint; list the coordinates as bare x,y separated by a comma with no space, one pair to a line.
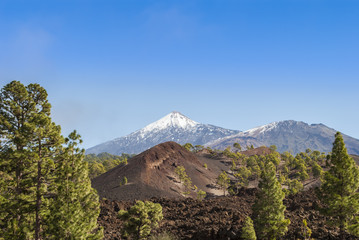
174,119
261,129
172,127
288,135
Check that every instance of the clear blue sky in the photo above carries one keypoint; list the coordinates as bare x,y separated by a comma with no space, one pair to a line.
112,67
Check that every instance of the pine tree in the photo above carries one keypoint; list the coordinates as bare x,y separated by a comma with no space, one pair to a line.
248,232
238,146
188,146
76,208
180,171
270,222
307,232
243,175
31,150
317,170
201,195
140,219
223,181
124,180
30,140
339,190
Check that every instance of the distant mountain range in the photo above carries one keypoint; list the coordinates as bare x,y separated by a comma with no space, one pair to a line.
173,127
287,135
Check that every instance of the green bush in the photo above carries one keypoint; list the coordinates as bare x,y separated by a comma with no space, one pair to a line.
163,236
140,219
201,195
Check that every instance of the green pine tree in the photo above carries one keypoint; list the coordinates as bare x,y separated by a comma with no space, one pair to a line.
242,176
201,195
30,140
306,232
188,146
223,181
140,219
270,222
248,232
76,207
339,190
180,171
124,180
317,170
238,146
30,155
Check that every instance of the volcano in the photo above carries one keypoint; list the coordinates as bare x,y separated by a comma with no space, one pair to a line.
173,127
152,173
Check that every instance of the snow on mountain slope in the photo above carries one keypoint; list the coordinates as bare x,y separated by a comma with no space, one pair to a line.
290,135
173,127
262,129
174,119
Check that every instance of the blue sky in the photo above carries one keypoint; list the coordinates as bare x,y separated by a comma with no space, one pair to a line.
112,67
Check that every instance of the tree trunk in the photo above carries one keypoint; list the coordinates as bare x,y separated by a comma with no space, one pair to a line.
341,230
38,196
18,189
138,233
38,202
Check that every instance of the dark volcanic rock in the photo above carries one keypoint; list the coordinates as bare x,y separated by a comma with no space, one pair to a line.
223,217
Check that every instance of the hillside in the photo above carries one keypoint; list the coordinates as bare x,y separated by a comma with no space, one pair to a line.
151,173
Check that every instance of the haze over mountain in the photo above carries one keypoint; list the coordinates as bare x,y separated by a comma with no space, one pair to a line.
173,127
294,136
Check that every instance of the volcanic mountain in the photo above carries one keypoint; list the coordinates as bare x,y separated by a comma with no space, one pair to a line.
173,127
152,173
288,135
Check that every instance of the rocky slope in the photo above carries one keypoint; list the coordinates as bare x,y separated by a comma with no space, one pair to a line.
223,217
173,127
152,173
288,135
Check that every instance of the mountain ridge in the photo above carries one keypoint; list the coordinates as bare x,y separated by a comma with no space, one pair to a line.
288,135
172,127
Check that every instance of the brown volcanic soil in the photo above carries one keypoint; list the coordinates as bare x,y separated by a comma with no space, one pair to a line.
151,173
222,217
